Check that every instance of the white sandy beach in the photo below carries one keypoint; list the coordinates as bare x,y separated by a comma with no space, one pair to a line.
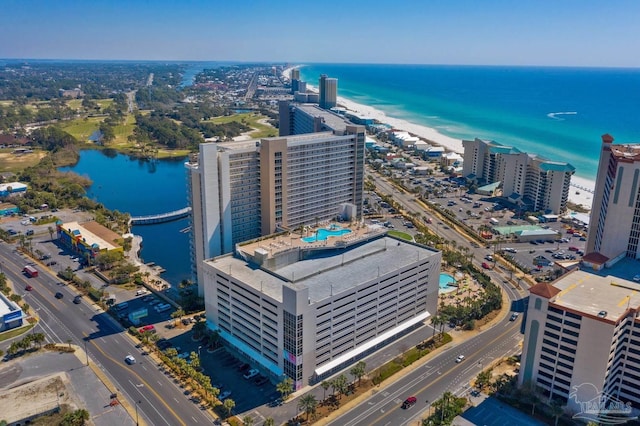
581,192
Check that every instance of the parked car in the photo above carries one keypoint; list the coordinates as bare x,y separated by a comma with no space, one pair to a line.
485,265
409,402
261,380
276,402
243,367
251,374
163,344
150,328
224,395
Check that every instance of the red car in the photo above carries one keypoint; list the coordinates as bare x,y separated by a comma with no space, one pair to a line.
149,328
28,288
409,402
485,265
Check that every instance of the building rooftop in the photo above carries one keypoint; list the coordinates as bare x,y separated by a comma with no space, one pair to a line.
325,270
93,233
6,306
331,119
595,295
630,152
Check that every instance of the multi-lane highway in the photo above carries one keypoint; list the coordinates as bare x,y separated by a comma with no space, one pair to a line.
429,381
159,401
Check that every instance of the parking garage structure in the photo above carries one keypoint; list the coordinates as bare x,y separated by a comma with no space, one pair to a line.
308,313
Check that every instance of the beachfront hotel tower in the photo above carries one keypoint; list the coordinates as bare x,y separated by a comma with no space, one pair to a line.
615,215
309,312
246,189
298,118
582,342
328,88
528,180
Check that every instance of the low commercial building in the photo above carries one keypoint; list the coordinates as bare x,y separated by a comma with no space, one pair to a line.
582,342
12,188
88,239
10,314
307,312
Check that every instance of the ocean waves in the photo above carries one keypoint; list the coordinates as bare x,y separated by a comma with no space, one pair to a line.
557,115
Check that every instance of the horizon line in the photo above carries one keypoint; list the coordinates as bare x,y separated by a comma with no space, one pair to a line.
304,63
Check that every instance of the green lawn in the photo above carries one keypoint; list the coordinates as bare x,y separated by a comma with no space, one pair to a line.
15,332
82,128
401,235
74,103
251,120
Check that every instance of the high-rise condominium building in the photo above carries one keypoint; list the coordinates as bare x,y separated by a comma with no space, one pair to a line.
328,92
582,342
299,118
307,313
246,189
537,184
615,215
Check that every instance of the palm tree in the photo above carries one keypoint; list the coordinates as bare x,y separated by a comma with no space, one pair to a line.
178,314
358,370
308,404
341,384
228,405
325,385
556,410
50,229
285,387
247,421
269,422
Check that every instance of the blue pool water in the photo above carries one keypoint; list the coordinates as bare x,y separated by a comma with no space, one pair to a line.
323,234
445,283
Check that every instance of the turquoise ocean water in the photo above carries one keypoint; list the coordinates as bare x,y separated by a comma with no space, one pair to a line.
559,113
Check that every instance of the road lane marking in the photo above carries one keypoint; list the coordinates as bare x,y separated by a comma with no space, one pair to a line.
437,379
150,388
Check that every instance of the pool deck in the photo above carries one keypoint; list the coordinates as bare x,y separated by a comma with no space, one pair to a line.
293,240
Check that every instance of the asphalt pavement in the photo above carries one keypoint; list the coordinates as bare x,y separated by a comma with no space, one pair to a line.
159,401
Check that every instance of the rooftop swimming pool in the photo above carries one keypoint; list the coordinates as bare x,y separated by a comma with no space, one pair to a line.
323,234
447,283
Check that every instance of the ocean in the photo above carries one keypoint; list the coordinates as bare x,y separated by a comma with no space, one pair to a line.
558,113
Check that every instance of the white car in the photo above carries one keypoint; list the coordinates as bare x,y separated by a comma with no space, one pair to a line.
129,359
460,358
636,278
224,395
251,374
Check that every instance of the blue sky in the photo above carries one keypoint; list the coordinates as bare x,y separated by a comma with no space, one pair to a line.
482,32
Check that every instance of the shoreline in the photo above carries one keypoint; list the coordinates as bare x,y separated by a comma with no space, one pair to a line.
580,193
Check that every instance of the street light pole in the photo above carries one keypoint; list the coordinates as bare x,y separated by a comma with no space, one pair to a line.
137,403
85,351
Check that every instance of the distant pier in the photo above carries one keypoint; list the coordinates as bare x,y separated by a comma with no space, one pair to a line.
160,218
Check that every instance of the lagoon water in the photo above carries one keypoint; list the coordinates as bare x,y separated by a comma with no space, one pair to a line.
559,113
141,187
